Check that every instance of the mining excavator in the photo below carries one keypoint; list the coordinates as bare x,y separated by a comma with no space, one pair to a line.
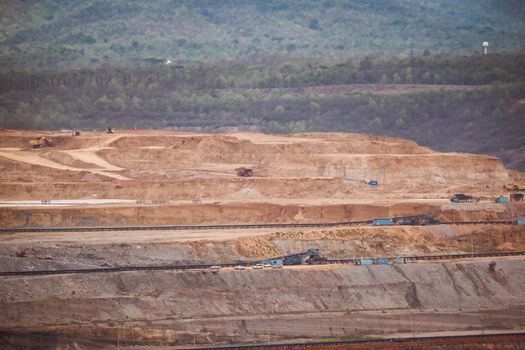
514,187
42,141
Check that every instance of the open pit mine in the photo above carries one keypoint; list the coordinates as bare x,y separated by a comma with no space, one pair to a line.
155,239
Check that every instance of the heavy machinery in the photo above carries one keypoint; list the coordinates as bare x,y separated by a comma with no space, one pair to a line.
109,130
516,197
22,253
244,172
310,256
461,198
42,141
417,220
501,199
514,187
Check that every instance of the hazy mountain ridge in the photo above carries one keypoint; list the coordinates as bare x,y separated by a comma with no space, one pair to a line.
87,33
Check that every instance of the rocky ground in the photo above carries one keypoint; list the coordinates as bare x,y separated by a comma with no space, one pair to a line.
165,178
251,305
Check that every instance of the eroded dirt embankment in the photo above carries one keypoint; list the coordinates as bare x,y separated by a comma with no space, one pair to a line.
194,214
251,304
83,184
83,250
239,213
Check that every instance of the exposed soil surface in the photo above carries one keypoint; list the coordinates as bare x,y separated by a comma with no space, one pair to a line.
342,162
138,177
101,249
296,178
256,305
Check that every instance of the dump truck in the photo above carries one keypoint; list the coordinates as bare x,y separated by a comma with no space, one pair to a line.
244,172
502,200
41,141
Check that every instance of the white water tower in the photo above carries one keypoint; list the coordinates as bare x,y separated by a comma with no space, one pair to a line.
485,47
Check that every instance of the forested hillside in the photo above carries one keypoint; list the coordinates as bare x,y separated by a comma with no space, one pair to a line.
78,33
470,103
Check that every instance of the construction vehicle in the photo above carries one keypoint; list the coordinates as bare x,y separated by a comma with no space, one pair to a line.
75,133
514,187
109,130
244,172
42,141
502,200
461,198
22,253
310,256
516,197
417,220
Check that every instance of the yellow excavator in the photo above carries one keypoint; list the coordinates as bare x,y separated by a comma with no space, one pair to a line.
514,187
42,141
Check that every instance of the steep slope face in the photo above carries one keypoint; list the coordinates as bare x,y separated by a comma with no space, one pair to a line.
83,33
101,249
176,306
